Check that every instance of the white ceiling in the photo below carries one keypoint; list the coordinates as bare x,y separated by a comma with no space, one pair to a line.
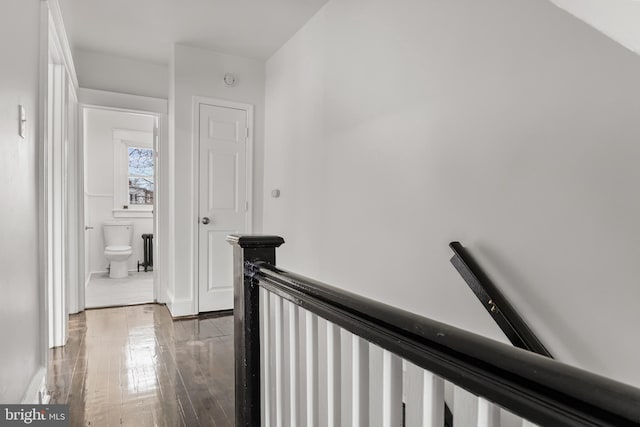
618,19
146,29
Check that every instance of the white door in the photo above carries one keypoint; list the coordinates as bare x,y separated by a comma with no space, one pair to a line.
223,207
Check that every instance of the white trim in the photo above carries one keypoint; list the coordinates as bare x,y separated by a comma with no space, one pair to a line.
43,135
83,277
112,101
63,41
86,282
136,136
36,390
55,52
163,247
223,103
73,188
122,140
122,101
131,270
195,165
57,213
179,308
169,302
55,209
132,213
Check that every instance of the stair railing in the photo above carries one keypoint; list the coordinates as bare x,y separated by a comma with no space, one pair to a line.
502,312
309,354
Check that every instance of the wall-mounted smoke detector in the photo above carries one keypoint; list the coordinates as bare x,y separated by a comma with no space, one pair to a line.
230,79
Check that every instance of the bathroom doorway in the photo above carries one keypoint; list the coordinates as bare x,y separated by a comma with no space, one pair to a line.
120,188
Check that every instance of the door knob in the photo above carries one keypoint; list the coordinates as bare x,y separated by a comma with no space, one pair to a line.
205,220
86,227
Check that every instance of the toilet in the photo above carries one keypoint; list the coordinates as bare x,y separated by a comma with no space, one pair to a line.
117,247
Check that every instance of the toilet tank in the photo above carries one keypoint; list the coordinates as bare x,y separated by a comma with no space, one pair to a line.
117,233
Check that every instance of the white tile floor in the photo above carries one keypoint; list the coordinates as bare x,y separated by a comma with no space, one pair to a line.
103,291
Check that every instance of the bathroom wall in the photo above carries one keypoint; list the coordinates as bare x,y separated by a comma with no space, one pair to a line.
99,191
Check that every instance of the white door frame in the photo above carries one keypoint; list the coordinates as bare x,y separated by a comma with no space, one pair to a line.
55,54
159,270
195,135
74,193
55,207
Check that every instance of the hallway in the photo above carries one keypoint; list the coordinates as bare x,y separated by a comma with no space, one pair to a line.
134,366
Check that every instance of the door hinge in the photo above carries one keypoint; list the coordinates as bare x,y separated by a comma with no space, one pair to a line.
246,133
246,206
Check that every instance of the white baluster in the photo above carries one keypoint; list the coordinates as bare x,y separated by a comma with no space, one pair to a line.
465,407
359,382
333,375
278,347
294,365
376,385
391,390
488,414
311,338
265,341
425,398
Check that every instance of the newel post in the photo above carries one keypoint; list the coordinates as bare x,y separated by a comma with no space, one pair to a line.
246,324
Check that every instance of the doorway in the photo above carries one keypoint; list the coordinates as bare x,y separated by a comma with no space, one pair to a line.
119,176
224,149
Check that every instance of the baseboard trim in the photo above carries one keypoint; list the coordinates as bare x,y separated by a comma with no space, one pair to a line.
36,391
135,270
179,308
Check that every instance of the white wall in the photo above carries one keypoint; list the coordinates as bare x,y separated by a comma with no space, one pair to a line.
394,128
199,72
118,74
99,170
20,321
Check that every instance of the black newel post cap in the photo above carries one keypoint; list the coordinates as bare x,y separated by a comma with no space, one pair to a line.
255,240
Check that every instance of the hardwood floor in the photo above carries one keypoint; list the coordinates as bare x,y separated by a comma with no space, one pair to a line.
135,366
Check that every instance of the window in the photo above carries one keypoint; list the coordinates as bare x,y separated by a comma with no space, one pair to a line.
140,176
133,183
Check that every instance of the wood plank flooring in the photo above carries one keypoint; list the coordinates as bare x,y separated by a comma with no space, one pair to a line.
135,366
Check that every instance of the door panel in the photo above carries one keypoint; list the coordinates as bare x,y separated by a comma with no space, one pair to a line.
223,179
223,131
220,271
222,200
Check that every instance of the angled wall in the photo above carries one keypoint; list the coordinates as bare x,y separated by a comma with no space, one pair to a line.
97,70
394,128
617,19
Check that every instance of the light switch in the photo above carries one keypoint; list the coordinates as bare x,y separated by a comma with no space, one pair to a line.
22,119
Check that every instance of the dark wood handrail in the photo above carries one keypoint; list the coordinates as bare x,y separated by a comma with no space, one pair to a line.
502,312
532,386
